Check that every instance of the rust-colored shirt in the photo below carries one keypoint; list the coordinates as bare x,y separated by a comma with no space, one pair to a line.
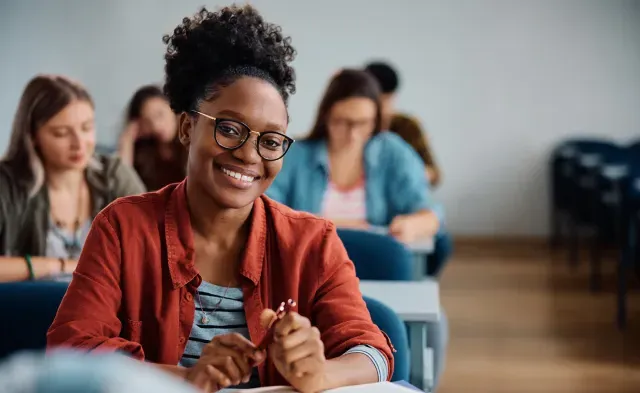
134,285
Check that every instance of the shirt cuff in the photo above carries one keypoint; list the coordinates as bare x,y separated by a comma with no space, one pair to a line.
378,359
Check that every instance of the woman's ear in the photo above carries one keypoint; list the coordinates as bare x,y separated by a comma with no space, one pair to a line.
186,127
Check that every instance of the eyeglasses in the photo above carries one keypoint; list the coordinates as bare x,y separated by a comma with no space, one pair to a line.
232,134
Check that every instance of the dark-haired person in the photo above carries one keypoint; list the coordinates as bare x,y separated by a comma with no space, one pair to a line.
350,171
51,182
409,129
150,140
187,277
404,125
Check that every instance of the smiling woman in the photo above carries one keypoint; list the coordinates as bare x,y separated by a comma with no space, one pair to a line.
188,277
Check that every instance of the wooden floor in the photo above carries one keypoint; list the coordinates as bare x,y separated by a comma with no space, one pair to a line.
522,321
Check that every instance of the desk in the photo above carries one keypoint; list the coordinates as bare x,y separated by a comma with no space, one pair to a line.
417,303
420,249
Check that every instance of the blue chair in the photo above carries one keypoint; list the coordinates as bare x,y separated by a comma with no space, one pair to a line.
377,256
28,309
390,323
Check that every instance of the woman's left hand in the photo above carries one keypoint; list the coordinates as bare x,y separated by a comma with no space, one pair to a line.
297,351
404,229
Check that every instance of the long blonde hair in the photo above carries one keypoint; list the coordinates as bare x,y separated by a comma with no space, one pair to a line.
43,98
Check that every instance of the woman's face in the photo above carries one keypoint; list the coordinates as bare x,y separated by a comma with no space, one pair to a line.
351,122
67,141
257,104
157,120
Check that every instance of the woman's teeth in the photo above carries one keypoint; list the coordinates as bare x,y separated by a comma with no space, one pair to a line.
244,178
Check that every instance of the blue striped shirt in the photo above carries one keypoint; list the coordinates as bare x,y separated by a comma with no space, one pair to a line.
223,312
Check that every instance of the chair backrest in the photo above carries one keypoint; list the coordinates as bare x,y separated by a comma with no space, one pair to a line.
377,256
389,322
27,310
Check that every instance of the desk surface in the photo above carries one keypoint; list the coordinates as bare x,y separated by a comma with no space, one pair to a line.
421,246
413,301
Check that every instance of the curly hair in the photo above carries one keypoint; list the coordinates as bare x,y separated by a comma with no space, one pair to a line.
213,49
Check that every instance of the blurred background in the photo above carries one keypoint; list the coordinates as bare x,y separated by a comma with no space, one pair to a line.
503,88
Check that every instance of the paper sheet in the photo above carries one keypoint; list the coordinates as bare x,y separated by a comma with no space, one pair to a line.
369,388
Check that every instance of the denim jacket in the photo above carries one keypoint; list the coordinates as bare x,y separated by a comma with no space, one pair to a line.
395,182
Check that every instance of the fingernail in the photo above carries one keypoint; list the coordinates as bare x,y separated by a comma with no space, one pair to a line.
246,379
226,382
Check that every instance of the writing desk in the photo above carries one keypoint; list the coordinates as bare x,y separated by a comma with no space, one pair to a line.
420,249
417,303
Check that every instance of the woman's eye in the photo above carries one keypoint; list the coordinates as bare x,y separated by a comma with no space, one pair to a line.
228,129
272,142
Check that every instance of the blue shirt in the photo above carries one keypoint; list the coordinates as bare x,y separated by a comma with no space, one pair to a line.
395,181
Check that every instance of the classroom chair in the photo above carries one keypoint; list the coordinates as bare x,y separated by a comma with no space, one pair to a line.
28,309
580,178
567,159
390,323
377,256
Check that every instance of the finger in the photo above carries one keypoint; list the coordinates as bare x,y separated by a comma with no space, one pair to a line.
290,322
313,346
298,337
266,317
241,361
235,340
230,368
216,377
306,365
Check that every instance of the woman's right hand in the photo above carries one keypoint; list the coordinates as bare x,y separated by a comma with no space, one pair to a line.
227,360
131,132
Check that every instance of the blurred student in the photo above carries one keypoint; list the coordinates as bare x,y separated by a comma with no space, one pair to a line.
187,277
349,171
150,140
406,126
51,182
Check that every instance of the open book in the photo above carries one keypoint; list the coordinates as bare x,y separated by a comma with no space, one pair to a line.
369,388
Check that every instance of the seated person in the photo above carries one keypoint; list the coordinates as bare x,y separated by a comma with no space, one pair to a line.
51,182
150,140
186,277
406,126
351,172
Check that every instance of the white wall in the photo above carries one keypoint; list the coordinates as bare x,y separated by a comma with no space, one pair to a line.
497,82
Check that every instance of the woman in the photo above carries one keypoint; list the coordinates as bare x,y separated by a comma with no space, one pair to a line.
51,182
352,173
359,177
150,142
185,277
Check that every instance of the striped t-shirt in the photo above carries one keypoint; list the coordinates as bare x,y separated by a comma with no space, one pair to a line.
229,317
345,204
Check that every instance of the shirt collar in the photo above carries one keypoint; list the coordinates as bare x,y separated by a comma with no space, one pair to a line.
180,247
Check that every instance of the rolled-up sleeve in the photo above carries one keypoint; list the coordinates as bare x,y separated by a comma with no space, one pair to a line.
88,315
339,311
378,359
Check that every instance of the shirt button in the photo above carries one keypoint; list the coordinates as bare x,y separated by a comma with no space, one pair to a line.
182,340
188,296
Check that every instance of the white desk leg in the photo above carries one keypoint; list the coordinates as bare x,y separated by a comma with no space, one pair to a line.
419,266
418,340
